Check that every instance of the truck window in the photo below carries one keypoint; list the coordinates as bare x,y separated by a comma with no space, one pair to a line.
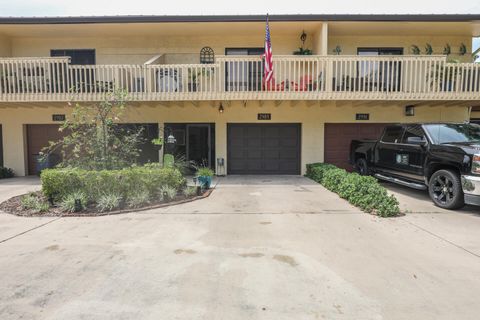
414,131
392,134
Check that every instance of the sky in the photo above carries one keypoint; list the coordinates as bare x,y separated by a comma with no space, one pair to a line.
182,7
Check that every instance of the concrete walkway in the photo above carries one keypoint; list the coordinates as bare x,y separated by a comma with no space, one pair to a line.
254,250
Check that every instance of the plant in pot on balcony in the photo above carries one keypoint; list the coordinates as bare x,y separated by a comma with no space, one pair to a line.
444,78
204,177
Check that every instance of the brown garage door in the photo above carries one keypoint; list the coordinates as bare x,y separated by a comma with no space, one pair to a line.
339,135
38,137
264,148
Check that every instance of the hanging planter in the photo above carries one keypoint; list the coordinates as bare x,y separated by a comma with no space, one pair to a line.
157,143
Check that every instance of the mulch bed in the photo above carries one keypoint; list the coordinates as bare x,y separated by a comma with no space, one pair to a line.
13,206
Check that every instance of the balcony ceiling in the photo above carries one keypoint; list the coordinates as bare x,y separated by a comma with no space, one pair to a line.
336,28
158,29
404,28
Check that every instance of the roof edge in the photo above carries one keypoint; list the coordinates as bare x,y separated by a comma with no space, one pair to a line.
242,18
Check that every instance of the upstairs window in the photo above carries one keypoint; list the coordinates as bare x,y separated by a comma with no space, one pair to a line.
77,56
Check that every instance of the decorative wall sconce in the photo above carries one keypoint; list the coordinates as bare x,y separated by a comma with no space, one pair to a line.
428,49
447,50
415,49
220,108
337,50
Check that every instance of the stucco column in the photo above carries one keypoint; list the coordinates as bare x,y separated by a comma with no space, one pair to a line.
323,47
221,145
14,147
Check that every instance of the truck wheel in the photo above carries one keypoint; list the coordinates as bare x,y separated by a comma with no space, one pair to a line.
362,167
445,190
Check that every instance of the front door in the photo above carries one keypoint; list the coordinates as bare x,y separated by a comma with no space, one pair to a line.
194,143
198,144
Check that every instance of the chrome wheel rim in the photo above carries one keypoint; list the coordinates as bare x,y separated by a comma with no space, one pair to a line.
443,190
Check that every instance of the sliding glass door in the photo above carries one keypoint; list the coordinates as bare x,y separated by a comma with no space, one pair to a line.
380,75
244,75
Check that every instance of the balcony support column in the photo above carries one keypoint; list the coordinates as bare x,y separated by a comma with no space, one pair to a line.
14,147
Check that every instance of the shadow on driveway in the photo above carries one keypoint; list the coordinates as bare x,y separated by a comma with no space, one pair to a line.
418,201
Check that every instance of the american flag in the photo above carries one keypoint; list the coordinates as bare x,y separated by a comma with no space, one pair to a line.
268,66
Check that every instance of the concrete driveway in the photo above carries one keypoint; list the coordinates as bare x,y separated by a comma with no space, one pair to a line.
258,248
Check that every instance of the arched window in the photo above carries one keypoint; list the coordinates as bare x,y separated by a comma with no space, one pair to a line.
207,55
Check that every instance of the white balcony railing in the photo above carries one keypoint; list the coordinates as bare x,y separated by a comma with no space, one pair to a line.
241,78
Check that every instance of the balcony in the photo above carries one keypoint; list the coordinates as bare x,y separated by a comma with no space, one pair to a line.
241,78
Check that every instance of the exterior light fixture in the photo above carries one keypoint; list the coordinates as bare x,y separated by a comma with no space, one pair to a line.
220,108
303,38
171,138
409,111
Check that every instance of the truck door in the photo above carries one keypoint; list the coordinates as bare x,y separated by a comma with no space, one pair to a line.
411,155
387,149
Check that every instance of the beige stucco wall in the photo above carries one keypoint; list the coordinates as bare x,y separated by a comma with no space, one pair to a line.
312,117
5,46
137,50
475,115
349,44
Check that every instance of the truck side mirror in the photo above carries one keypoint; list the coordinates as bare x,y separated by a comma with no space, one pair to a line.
417,141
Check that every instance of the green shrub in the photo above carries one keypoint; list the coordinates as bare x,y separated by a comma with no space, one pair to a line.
190,191
204,172
68,203
109,202
168,193
32,202
315,171
363,192
58,183
138,199
6,173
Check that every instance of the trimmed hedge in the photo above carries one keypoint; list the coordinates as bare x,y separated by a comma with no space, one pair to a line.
361,191
59,183
6,173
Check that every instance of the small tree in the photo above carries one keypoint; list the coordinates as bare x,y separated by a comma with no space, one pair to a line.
94,140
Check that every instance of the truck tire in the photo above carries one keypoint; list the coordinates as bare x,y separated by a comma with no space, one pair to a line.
445,189
362,167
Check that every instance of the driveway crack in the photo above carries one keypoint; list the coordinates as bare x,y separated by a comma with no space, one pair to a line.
29,230
443,239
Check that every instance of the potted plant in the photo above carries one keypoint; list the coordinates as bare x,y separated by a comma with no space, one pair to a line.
157,143
415,50
192,80
204,177
303,52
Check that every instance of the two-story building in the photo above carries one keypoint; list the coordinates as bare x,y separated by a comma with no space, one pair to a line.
200,79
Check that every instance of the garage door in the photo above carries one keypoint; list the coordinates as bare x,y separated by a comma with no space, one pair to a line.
38,137
263,148
339,135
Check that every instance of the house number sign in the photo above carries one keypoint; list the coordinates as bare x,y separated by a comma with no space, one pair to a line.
362,116
58,117
264,116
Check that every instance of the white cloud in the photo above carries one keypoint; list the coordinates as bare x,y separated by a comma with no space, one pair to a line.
146,7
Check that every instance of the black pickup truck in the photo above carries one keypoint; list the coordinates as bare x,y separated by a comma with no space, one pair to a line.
441,157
